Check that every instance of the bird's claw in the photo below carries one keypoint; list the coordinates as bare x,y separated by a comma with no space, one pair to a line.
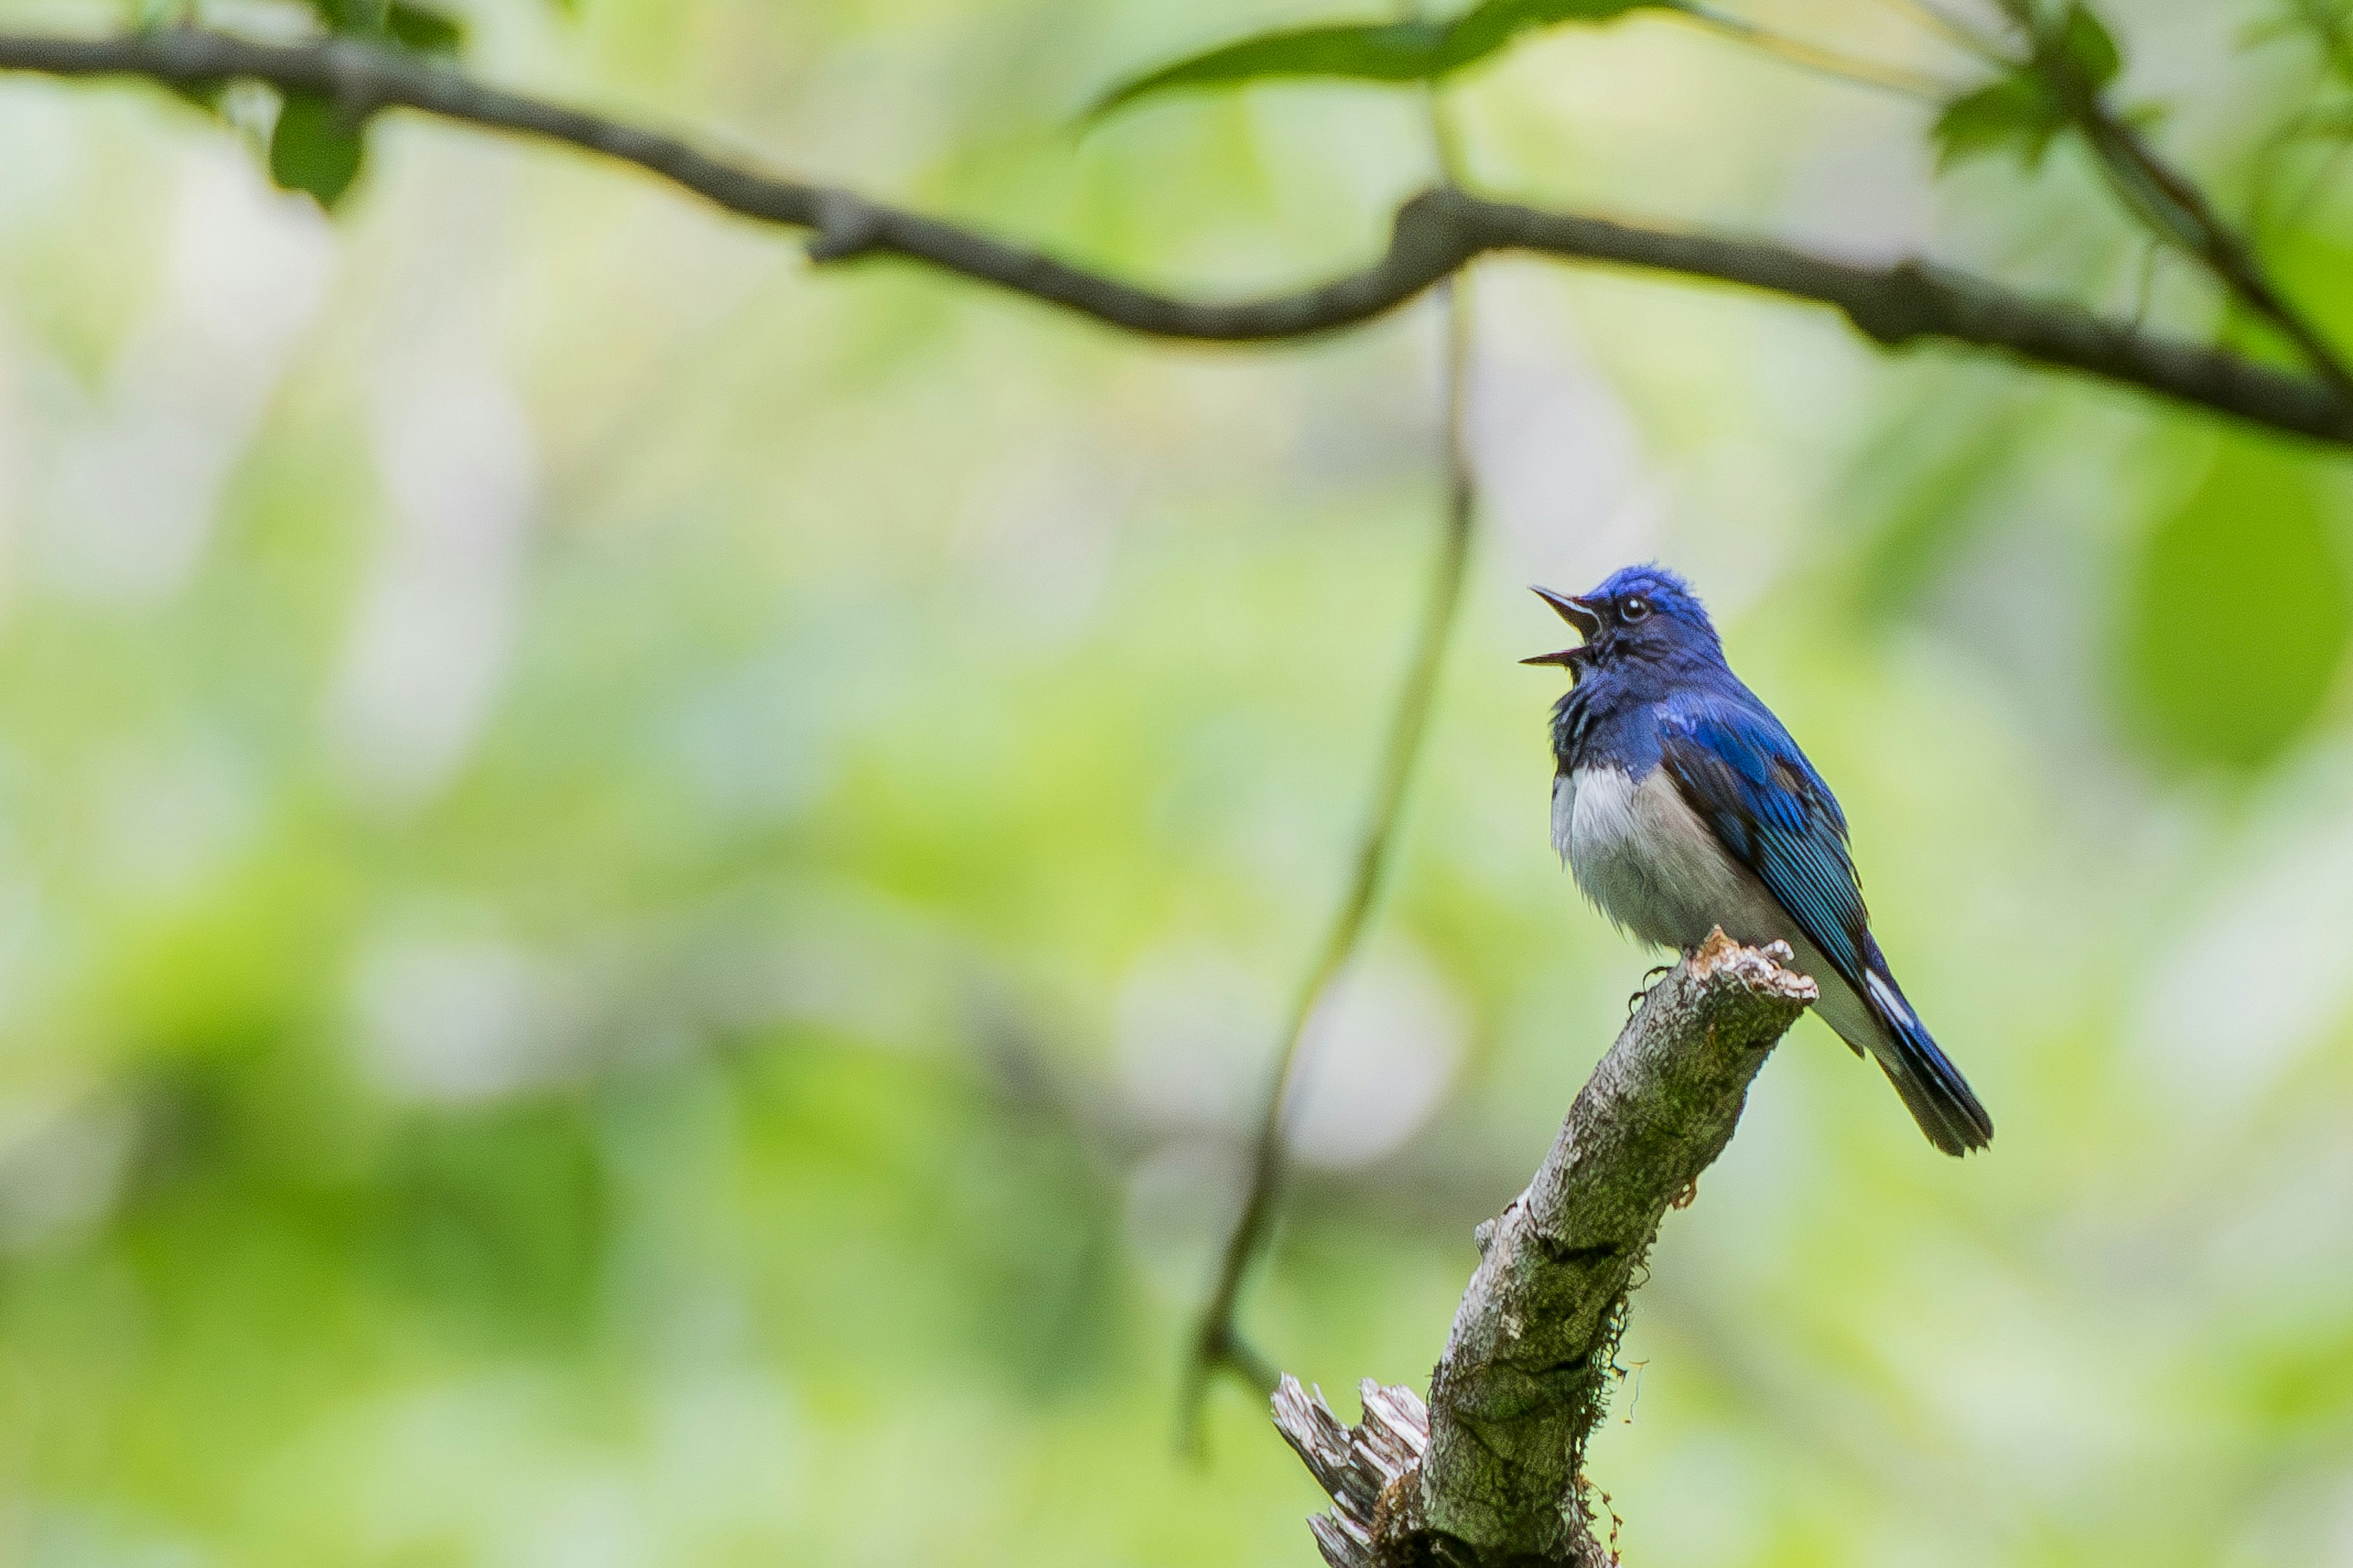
1649,976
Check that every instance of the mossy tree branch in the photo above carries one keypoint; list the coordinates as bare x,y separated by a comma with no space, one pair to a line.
1491,1473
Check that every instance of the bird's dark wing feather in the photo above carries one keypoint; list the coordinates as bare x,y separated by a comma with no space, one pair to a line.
1738,769
1745,777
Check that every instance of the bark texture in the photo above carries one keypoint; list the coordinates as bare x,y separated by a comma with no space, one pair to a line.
1495,1474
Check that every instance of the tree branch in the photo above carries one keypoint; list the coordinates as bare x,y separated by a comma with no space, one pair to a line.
1498,1477
1435,234
2161,196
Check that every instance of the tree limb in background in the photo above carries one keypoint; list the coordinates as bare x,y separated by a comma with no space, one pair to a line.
1218,1342
1435,234
1492,1473
2072,52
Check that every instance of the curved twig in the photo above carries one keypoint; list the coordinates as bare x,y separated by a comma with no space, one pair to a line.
1219,1342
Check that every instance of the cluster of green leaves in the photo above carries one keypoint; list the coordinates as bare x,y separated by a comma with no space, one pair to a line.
2074,57
417,27
1414,51
317,145
2070,60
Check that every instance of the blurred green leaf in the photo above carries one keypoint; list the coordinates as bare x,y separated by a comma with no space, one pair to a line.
1397,51
503,1217
2239,613
426,31
1385,52
421,29
2328,24
310,149
1486,28
2085,44
366,17
2023,112
2016,114
2309,261
205,97
2325,122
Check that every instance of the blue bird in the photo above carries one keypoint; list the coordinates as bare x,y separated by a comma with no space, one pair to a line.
1681,804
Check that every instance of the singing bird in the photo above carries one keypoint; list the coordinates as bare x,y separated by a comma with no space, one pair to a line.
1681,804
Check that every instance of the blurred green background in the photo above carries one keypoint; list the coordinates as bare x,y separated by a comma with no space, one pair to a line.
643,892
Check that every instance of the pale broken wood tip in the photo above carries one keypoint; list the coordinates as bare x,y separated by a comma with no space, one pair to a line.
1371,1471
1764,971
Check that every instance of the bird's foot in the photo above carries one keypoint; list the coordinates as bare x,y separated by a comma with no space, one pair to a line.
1649,978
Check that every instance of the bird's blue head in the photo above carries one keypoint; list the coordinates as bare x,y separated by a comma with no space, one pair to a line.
1641,614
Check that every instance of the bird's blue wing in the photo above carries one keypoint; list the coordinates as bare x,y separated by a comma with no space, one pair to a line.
1739,770
1738,767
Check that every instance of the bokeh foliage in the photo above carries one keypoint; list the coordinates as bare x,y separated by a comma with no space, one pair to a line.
642,894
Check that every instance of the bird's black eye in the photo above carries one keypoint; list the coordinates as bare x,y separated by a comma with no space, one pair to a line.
1634,609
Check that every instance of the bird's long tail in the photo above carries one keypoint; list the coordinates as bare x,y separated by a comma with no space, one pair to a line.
1933,1088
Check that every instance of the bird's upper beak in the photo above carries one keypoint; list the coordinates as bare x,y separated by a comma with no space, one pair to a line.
1577,613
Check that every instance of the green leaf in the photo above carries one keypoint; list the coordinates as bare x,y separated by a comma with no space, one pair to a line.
363,16
2024,111
1394,51
2309,263
205,97
2087,47
426,32
1371,51
310,148
2238,612
1489,26
2016,114
421,29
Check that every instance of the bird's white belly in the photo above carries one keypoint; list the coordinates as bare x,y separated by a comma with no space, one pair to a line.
1652,864
1649,863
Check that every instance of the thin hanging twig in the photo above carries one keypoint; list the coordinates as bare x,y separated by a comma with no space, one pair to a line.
1218,1343
1817,58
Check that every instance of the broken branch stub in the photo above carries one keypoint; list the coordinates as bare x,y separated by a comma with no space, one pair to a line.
1491,1473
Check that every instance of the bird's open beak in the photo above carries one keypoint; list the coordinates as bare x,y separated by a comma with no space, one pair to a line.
1576,614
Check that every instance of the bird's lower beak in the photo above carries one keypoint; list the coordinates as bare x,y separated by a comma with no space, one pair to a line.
1576,613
